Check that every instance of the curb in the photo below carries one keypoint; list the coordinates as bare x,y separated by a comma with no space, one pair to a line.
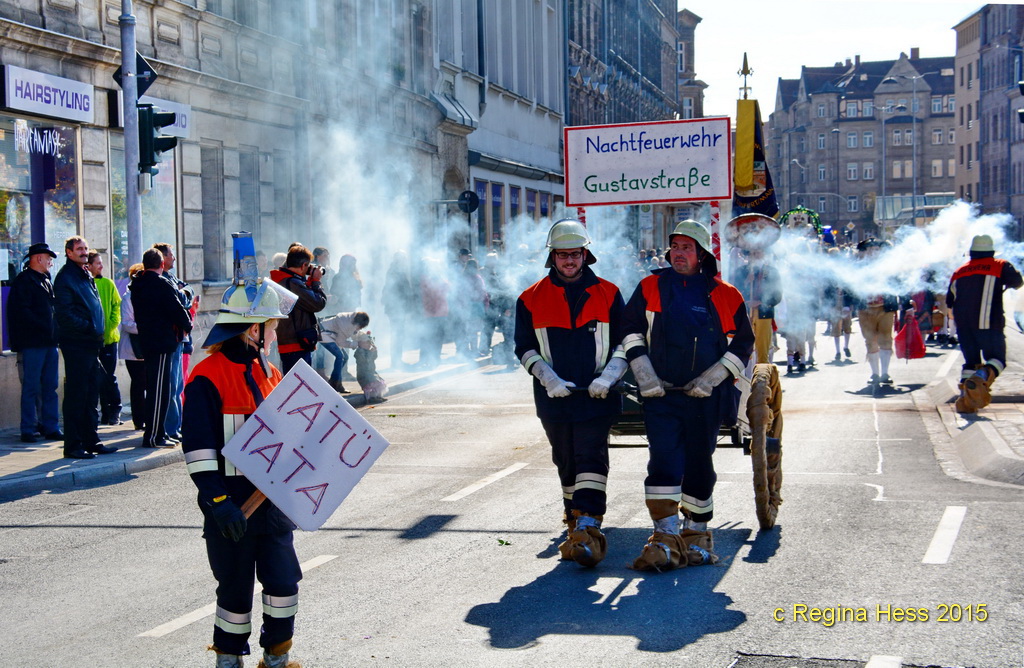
982,451
100,472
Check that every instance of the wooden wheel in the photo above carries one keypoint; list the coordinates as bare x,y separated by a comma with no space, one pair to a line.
764,411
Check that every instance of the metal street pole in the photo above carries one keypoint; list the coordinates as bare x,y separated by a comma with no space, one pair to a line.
914,138
130,88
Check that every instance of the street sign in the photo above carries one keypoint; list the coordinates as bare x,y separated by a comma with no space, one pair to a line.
468,201
663,161
305,447
144,73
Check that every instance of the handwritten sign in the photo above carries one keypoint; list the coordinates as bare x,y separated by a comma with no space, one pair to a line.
662,161
305,447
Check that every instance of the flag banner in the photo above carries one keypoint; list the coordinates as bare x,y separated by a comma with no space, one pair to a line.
754,192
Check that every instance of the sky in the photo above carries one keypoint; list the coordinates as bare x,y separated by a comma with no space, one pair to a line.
779,37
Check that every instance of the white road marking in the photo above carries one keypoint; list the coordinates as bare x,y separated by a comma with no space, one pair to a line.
486,481
947,364
945,535
880,492
883,661
207,610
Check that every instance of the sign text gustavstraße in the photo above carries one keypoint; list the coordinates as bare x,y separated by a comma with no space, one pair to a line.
665,161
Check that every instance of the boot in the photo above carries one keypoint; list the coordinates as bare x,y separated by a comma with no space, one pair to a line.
226,660
569,520
337,386
699,547
975,390
277,657
586,544
665,549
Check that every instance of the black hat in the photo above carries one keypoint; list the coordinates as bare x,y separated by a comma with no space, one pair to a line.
40,247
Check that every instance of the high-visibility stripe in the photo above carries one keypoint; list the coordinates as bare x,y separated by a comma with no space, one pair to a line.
594,477
668,492
544,344
530,357
201,465
633,341
280,607
695,505
997,365
733,364
650,326
233,622
568,491
985,311
590,484
200,455
602,334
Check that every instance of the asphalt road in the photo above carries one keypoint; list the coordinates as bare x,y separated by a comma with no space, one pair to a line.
445,553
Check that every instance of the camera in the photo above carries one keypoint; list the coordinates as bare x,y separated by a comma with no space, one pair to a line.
313,267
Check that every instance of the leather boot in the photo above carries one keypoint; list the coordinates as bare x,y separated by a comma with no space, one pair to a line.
569,520
586,544
277,657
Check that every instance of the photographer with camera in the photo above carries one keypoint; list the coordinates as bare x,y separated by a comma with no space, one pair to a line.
298,335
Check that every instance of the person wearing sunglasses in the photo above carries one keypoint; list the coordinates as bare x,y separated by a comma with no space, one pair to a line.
568,332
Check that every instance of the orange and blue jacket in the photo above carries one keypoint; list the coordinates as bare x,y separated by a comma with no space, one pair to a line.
219,396
678,356
575,328
976,292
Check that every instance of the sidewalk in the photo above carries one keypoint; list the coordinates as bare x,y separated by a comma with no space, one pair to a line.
990,443
27,468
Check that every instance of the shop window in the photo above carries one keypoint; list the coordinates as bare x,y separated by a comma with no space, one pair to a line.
158,210
481,213
38,193
531,203
513,201
544,204
497,211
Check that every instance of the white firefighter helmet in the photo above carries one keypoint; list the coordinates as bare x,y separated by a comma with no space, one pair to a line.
694,230
238,311
568,233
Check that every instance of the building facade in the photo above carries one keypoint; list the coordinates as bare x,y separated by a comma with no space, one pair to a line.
990,147
858,140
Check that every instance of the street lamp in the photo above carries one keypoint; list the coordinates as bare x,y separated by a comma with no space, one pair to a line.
914,107
835,132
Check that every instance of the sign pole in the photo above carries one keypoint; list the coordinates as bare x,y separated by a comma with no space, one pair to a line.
129,84
716,237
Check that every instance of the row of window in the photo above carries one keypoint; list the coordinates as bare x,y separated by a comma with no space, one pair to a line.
856,171
491,214
866,139
866,108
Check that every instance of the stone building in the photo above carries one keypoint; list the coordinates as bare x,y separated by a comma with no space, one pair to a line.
990,134
857,140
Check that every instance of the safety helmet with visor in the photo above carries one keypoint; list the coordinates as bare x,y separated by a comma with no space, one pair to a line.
565,234
245,305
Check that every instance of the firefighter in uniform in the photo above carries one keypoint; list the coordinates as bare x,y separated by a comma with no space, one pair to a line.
223,390
976,297
686,330
567,334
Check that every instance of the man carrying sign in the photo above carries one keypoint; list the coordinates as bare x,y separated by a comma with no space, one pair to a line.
223,390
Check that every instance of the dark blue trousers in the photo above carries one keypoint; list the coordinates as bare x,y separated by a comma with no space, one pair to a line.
580,451
271,559
976,344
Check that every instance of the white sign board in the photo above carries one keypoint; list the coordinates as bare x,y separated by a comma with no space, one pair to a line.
633,163
305,447
48,95
182,126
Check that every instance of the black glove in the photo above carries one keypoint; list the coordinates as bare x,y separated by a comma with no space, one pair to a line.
230,519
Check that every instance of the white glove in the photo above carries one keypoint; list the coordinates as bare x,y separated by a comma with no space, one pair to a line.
555,386
613,371
646,379
702,385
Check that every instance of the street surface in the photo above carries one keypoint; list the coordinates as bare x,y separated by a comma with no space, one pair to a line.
445,554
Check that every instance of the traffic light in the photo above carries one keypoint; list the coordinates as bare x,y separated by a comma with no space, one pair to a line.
151,142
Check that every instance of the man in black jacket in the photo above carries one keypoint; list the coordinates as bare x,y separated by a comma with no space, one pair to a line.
163,322
80,324
34,337
298,334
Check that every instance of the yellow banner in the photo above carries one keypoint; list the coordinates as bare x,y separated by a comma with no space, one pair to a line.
746,118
